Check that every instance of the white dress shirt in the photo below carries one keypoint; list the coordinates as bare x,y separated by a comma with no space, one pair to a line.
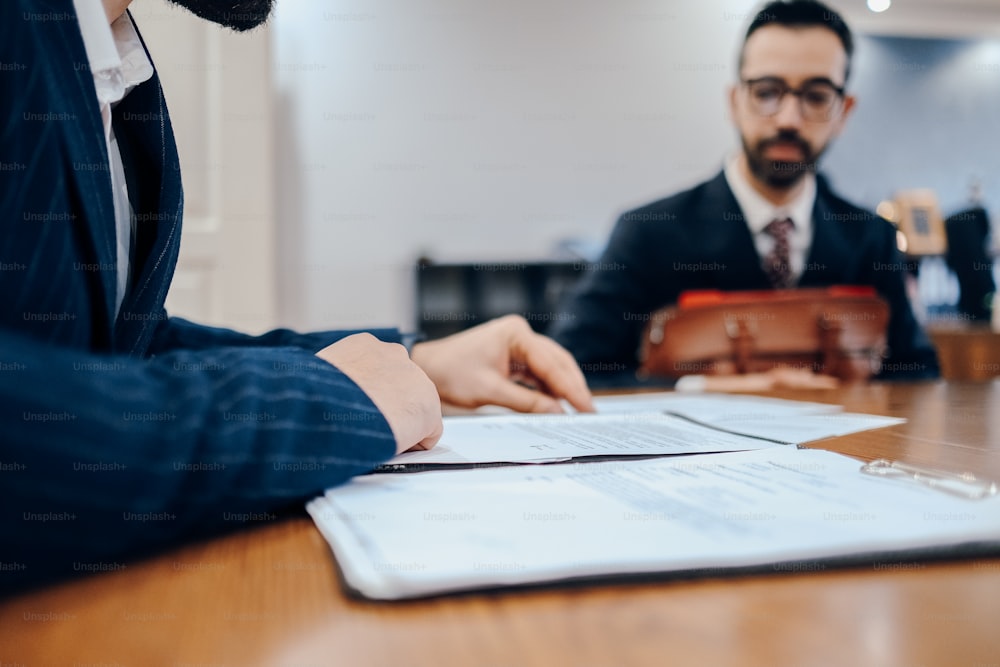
118,63
758,212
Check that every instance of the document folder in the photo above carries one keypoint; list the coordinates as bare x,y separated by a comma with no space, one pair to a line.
777,510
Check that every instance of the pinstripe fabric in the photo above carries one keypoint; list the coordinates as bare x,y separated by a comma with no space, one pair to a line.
120,438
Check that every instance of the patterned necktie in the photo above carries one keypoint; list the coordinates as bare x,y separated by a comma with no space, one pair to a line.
776,264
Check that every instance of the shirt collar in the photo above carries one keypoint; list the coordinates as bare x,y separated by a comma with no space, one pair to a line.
758,212
135,63
115,53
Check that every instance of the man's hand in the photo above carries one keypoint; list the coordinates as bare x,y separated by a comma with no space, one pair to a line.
776,378
399,389
503,362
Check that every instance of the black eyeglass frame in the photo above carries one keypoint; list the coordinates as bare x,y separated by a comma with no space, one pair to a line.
797,92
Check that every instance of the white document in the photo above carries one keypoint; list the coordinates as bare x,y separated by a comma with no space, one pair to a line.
547,438
640,425
789,422
799,429
709,406
782,509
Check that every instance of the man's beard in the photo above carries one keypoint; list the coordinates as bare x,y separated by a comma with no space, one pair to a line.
238,15
781,174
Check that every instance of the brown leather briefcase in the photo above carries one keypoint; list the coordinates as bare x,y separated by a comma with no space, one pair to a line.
838,331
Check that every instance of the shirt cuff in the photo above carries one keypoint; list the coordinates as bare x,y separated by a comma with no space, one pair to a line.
691,384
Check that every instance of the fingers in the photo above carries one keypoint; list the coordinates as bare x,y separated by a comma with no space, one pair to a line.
479,367
819,382
739,383
799,378
553,366
430,440
401,391
522,399
776,378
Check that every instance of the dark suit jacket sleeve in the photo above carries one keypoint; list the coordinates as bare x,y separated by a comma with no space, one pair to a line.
179,334
853,246
105,458
604,316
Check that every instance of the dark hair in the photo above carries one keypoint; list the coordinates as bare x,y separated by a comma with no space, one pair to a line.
802,14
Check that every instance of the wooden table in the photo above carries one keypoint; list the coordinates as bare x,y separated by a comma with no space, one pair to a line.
271,596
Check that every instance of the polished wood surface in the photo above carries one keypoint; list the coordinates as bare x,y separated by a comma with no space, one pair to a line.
270,596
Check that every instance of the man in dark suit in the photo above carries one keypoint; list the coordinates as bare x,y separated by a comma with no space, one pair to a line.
125,430
767,221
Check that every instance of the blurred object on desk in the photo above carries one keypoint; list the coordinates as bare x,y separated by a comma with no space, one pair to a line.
838,331
966,351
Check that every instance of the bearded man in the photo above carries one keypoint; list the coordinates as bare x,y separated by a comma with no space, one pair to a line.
767,221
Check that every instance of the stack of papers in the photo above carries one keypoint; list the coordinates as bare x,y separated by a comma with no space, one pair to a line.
779,509
743,499
638,425
787,422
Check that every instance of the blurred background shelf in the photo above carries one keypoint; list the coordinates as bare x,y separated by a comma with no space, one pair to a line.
451,297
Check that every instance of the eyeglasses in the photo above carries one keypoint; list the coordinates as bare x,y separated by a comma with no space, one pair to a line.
819,99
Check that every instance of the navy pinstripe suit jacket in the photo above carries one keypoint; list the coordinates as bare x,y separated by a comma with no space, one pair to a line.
123,435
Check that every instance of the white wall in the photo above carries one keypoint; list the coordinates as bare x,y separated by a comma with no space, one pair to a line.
926,118
479,131
218,88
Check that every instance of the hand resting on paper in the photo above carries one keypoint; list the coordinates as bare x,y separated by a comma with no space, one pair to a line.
401,391
775,378
503,362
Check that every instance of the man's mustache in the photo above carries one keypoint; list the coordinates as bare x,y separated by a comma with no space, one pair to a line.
786,138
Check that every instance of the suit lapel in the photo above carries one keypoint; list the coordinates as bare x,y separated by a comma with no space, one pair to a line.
152,166
726,239
91,175
149,154
829,257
